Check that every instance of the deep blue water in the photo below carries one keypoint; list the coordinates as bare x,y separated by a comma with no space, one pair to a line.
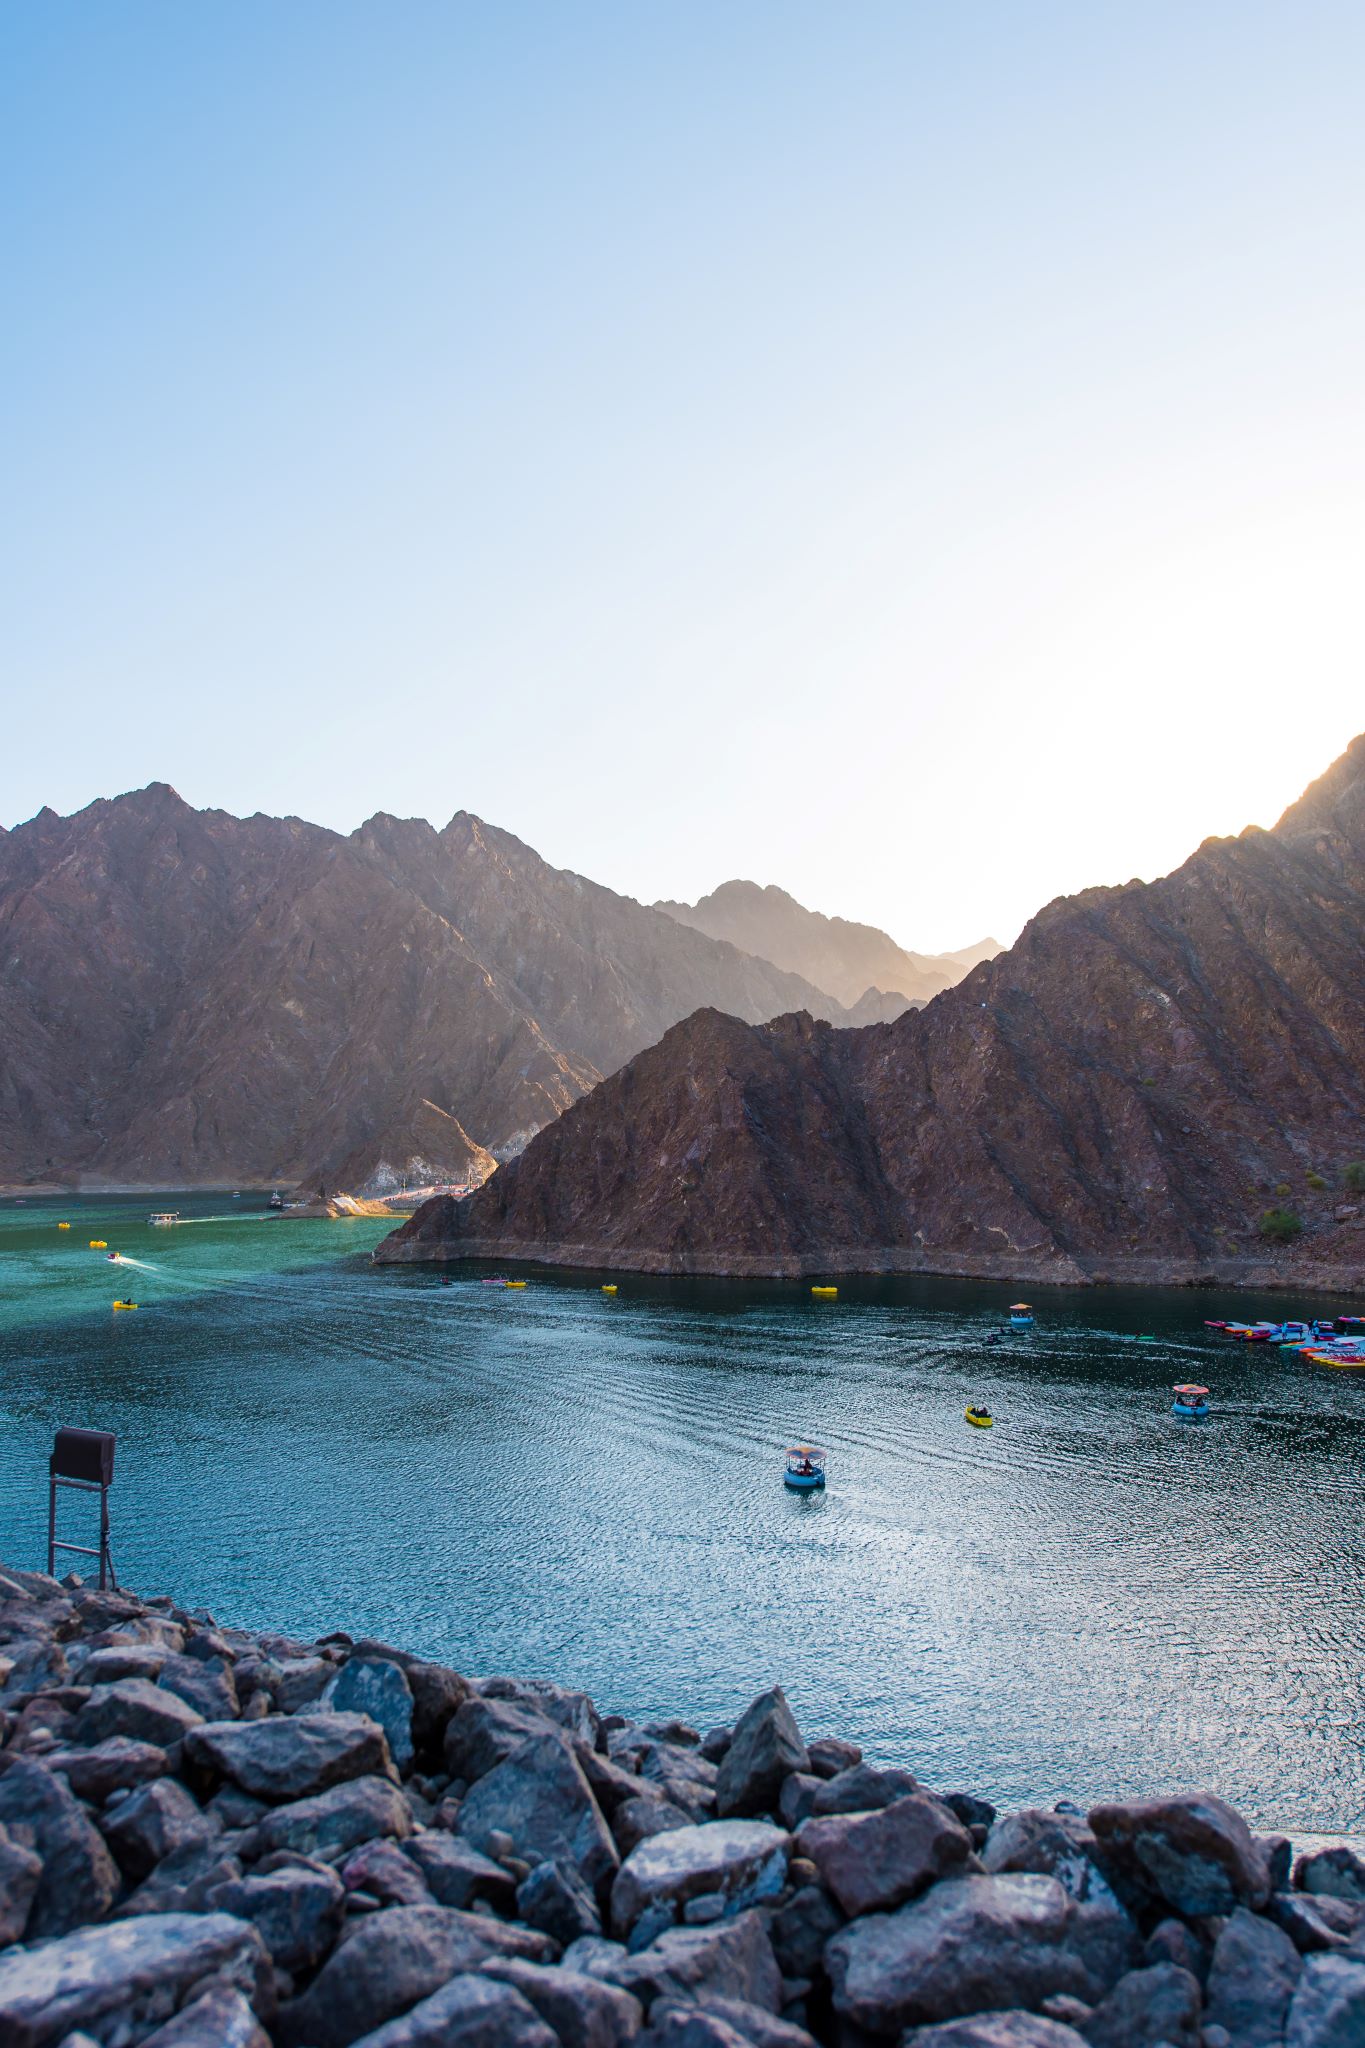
1090,1598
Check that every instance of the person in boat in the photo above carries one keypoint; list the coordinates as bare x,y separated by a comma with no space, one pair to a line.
805,1469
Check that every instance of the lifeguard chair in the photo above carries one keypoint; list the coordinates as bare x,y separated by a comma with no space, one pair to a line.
82,1459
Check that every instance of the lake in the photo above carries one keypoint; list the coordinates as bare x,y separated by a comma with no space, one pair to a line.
1089,1599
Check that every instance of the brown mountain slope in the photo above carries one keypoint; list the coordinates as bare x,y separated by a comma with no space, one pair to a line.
1119,1095
851,961
191,998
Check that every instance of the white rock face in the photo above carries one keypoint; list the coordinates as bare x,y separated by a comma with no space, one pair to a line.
738,1861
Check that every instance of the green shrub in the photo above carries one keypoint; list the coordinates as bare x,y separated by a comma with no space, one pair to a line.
1282,1187
1315,1180
1354,1175
1281,1226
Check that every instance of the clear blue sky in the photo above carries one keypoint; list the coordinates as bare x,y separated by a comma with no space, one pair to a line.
915,454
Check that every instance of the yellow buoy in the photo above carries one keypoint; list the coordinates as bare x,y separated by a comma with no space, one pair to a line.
824,1293
63,1226
98,1244
609,1290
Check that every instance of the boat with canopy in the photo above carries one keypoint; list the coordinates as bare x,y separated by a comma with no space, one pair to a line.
805,1471
1191,1403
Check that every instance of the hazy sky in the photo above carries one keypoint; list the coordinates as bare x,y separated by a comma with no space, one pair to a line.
911,453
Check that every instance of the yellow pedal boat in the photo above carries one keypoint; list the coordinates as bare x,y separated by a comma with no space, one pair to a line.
825,1293
125,1304
980,1418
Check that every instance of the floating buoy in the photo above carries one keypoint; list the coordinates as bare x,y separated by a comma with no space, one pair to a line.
824,1293
609,1290
98,1244
63,1226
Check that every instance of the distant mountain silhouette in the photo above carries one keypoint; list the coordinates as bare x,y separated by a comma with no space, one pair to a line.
192,998
1126,1093
849,961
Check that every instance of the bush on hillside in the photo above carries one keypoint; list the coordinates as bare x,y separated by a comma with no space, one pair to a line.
1354,1175
1315,1180
1281,1226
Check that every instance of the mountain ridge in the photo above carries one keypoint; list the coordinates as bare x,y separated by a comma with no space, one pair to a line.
190,998
847,959
1122,1094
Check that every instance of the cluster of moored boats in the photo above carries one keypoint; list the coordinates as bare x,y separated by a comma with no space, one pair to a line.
1327,1340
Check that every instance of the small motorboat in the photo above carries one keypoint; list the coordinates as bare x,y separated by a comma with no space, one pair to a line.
125,1304
164,1218
610,1288
825,1293
115,1258
1020,1315
805,1471
277,1200
980,1418
98,1244
1191,1403
496,1281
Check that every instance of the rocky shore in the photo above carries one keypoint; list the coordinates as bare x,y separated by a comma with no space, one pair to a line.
214,1839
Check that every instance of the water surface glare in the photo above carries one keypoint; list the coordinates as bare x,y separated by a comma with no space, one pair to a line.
1090,1598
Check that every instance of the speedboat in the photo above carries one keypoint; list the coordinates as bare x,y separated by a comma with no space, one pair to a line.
115,1258
1191,1403
980,1418
1020,1314
805,1471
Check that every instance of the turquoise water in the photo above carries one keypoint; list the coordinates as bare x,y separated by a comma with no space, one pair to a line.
1089,1598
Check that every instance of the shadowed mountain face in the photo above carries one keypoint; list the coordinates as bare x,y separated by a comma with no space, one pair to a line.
861,967
1121,1094
189,997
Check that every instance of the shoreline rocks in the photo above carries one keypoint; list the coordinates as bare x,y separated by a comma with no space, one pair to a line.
213,1839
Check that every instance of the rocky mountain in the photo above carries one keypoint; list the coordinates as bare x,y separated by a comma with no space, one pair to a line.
192,998
1157,1082
855,963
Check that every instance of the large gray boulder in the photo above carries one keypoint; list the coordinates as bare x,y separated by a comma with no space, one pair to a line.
1252,1979
377,1687
218,2018
1194,1853
733,1959
1328,2008
115,1765
738,1861
678,2023
383,1872
862,1788
540,1797
20,1871
801,1928
571,1711
79,1882
437,1693
765,1747
872,1861
136,1708
1336,1873
121,1981
297,1911
391,1961
336,1820
468,2012
1153,2008
290,1756
204,1683
153,1822
555,1898
481,1734
1059,1845
996,2030
582,2011
456,1874
972,1944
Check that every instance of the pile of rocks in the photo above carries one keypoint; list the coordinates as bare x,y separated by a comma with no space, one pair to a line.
210,1839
